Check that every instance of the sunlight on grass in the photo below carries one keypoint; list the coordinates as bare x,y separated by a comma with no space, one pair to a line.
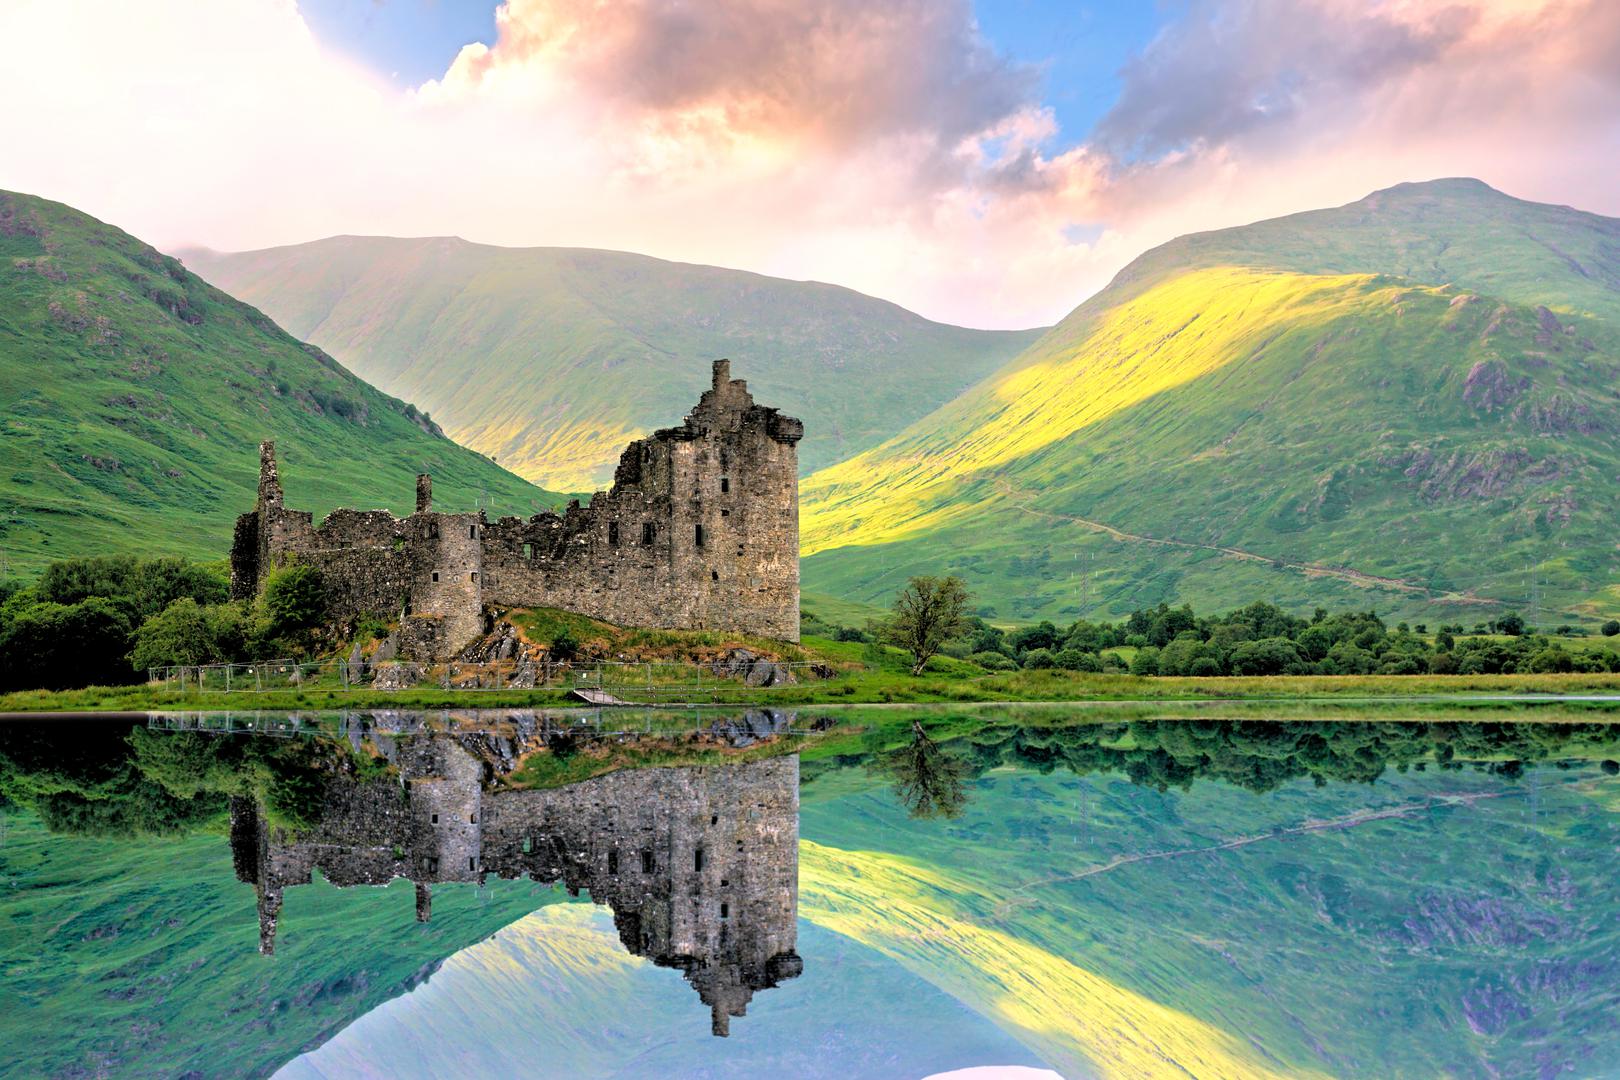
1081,1022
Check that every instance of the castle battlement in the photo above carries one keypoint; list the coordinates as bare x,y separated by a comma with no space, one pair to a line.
700,530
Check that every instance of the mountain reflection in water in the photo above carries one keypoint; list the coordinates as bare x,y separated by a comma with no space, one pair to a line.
1106,897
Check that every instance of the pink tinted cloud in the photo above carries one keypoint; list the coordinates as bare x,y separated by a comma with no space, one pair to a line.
882,146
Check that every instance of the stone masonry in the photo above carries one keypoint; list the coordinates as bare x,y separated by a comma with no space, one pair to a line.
699,865
700,530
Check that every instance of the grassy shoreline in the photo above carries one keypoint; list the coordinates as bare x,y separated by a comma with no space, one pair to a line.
869,687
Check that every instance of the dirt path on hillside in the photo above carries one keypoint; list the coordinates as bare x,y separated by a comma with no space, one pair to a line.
1023,499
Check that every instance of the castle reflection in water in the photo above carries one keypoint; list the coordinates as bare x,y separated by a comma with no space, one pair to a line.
699,864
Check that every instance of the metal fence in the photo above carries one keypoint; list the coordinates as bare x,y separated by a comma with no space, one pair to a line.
605,682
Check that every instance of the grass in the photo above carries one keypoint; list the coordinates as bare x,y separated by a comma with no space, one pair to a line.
1169,441
509,347
133,397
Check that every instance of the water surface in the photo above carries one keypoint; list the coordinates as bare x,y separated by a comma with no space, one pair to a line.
401,894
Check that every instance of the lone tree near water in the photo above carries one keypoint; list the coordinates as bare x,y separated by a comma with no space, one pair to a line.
928,612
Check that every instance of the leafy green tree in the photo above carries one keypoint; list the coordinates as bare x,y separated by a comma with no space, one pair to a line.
1146,661
294,602
1510,624
1268,656
929,781
928,612
994,661
1611,628
186,632
1039,659
50,646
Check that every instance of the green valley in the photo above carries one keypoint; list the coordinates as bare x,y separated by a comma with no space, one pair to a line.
1406,403
551,359
133,396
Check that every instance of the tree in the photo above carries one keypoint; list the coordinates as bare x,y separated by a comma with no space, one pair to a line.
294,601
1510,624
186,632
1611,628
929,781
51,646
928,612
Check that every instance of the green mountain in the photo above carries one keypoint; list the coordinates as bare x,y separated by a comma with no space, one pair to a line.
551,359
1407,403
133,396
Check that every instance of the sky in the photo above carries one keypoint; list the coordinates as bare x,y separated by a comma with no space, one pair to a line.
988,164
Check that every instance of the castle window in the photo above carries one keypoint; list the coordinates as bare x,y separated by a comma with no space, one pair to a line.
435,575
649,532
433,530
399,545
613,862
725,911
613,533
697,860
647,861
528,552
698,534
725,484
472,532
473,576
714,575
528,844
714,819
472,819
725,513
470,865
435,819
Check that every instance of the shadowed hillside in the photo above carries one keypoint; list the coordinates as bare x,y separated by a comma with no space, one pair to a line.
551,359
1406,403
133,396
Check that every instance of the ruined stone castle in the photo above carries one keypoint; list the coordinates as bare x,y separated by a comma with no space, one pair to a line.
700,530
699,864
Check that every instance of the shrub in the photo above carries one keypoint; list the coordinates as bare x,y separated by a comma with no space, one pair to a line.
1146,661
994,661
48,646
1611,628
186,632
294,601
1037,659
1204,667
564,646
851,633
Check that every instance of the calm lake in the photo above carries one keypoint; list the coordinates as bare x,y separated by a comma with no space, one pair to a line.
905,893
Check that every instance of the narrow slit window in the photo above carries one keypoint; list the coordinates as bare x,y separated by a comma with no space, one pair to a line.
433,530
613,862
472,532
697,534
435,819
646,862
470,863
435,575
725,484
725,911
528,552
714,575
613,534
473,576
697,860
648,532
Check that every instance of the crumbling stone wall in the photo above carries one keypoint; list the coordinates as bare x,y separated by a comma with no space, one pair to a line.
699,865
699,531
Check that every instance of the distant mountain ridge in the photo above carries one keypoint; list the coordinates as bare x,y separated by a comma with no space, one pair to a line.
551,359
133,396
1407,402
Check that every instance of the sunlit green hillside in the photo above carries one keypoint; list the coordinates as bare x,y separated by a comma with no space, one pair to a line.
133,396
1328,408
551,359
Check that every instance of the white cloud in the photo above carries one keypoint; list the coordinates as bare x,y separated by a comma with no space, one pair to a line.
885,147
